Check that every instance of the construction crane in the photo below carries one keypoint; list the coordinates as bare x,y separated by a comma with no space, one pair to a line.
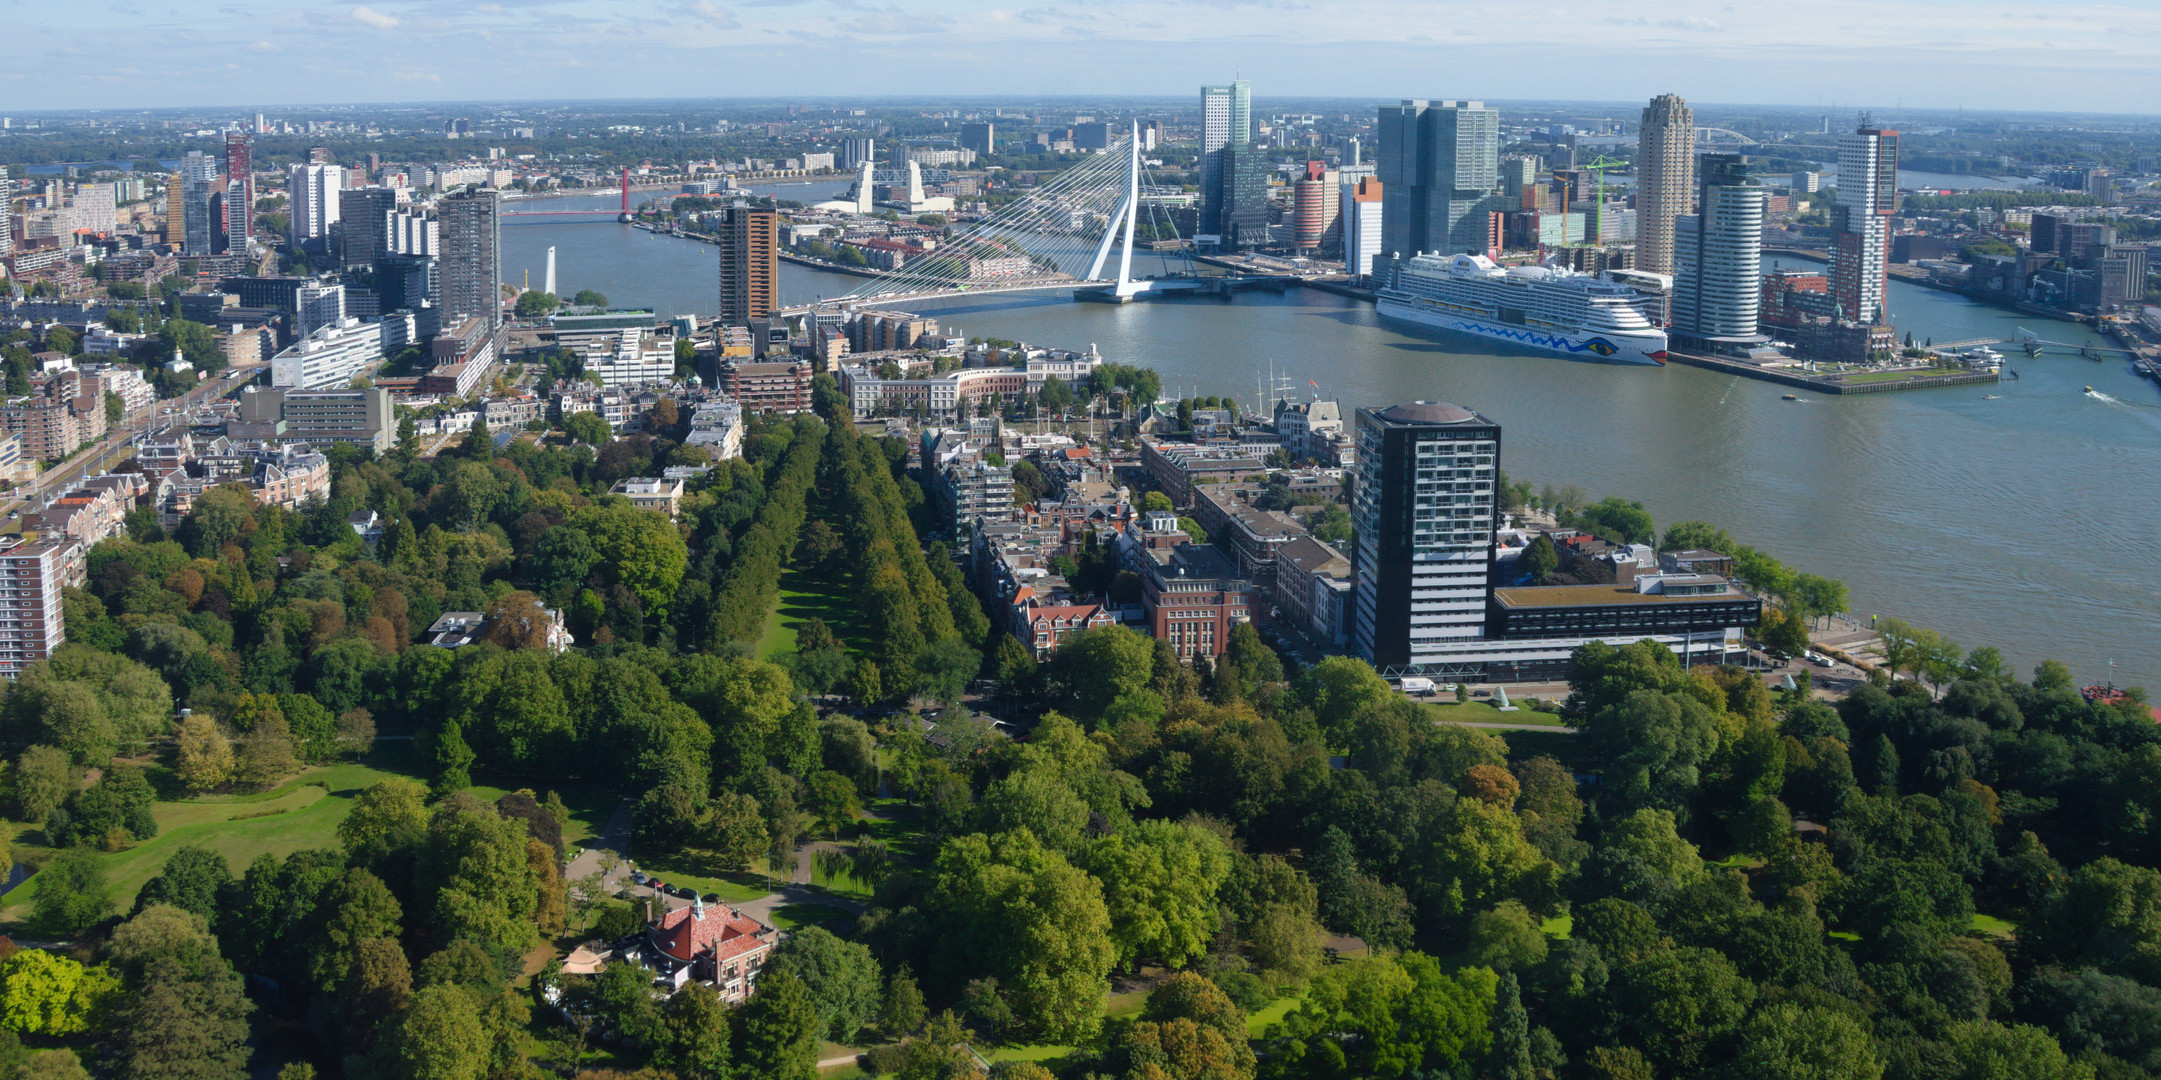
1597,169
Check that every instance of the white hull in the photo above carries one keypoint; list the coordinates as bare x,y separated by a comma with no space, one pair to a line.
1620,347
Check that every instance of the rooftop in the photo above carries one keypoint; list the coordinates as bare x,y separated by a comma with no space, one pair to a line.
1429,412
1537,596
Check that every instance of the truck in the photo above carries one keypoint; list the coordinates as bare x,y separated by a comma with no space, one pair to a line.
1414,685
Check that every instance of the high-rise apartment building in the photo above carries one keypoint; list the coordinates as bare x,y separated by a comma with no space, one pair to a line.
312,196
198,182
472,245
316,305
981,137
749,264
7,215
364,223
1718,255
1422,513
1665,179
32,623
1360,209
856,151
1861,222
1241,196
1438,166
239,190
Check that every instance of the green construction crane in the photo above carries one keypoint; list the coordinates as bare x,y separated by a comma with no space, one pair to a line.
1598,169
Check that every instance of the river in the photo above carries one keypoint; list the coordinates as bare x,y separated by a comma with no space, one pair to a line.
2023,522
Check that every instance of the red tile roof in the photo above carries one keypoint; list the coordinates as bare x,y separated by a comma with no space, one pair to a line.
723,932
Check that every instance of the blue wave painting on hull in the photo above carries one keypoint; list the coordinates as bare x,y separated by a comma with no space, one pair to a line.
1597,345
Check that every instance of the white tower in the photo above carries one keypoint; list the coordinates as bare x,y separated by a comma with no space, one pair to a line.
863,186
549,288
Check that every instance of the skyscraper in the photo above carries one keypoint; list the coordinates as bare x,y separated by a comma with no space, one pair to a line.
1241,196
1422,514
364,222
1665,178
312,196
198,181
749,264
1315,206
981,138
1437,164
855,151
472,246
7,215
1226,121
239,191
1718,255
1861,221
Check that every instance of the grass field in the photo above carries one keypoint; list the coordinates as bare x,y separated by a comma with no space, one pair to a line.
803,598
1559,926
293,817
1272,1013
1479,712
791,916
1995,927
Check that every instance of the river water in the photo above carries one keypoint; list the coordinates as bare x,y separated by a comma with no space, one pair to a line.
2025,522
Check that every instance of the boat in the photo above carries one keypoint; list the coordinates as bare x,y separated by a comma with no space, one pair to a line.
2089,389
1540,308
1979,356
1789,397
1992,397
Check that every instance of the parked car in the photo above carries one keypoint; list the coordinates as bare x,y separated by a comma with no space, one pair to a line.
638,877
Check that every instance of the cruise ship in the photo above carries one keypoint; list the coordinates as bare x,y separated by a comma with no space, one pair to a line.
1536,307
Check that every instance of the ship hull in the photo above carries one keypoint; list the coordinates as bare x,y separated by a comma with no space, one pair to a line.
1647,347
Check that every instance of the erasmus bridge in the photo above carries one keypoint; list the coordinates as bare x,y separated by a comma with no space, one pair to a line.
1076,231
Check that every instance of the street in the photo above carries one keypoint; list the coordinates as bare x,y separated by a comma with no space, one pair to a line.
117,443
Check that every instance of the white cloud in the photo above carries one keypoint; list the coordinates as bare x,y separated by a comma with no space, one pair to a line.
417,76
711,14
374,18
264,46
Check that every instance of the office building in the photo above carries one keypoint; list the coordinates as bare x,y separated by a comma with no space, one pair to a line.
1226,121
1438,166
7,215
1242,196
312,193
981,138
285,416
364,224
1665,179
32,576
316,305
1805,183
471,256
856,151
330,357
1095,136
239,191
1361,209
1422,514
1718,256
749,264
198,182
1861,222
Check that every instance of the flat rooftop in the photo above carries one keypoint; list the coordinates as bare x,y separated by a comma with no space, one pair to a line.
1538,596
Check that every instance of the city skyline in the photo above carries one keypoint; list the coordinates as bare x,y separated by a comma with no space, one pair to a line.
1890,53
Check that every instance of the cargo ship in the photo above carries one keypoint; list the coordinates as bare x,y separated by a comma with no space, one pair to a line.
1541,308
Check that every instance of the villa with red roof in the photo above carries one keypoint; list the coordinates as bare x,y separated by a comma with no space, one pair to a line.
717,945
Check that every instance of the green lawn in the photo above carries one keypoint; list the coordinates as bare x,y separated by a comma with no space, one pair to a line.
1271,1013
688,869
1480,712
1995,927
1029,1052
802,598
791,916
902,829
293,817
1559,926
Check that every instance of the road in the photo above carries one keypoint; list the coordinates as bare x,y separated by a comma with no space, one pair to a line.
117,443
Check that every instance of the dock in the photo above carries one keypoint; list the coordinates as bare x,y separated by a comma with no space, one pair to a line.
1865,382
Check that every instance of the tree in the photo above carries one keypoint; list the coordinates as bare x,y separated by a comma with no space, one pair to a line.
1789,1041
589,298
441,1037
375,990
474,868
266,754
1682,1001
1539,559
45,994
190,881
43,780
777,1032
519,620
1510,1057
1506,937
184,1021
1019,912
841,978
589,428
73,893
1093,668
735,829
1160,881
640,549
623,998
902,1011
390,816
361,909
532,304
699,1030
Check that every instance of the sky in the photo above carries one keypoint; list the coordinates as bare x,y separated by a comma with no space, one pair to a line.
2037,55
